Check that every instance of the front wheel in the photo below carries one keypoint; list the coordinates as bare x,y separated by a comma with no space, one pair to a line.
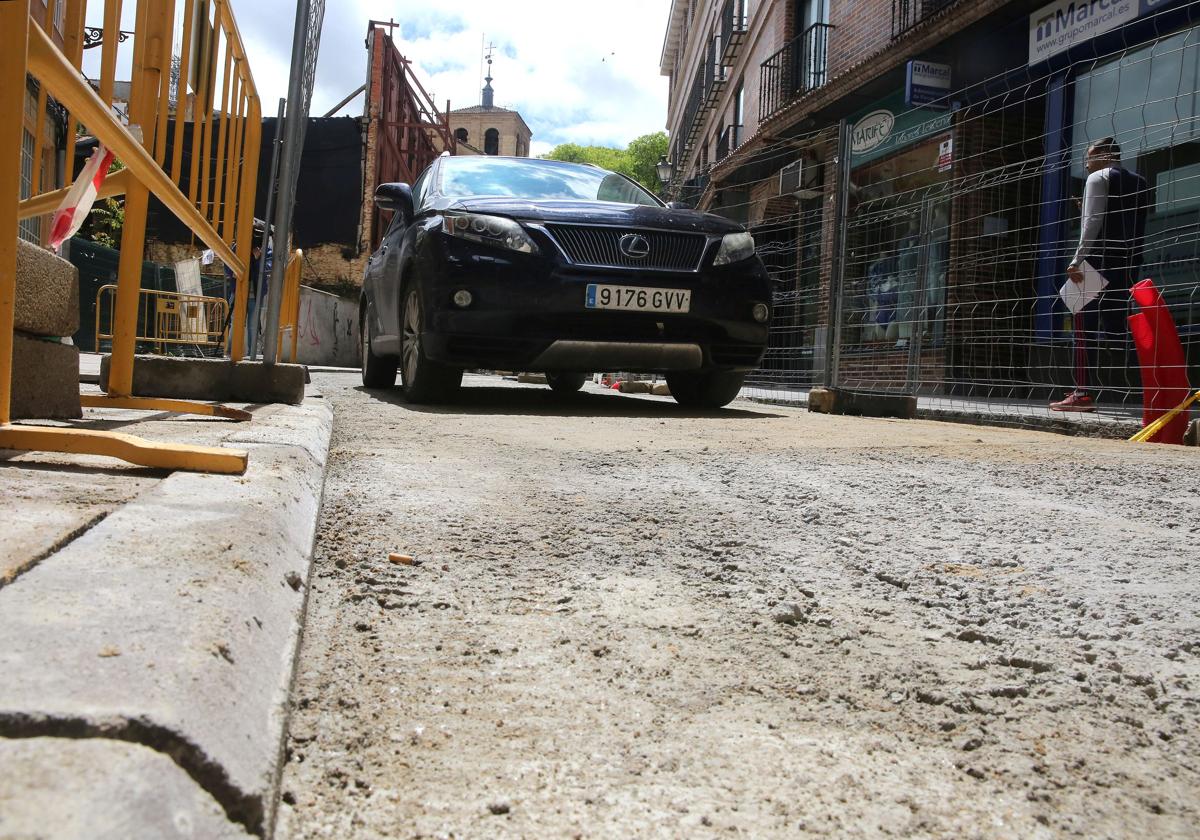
565,383
377,371
422,379
714,389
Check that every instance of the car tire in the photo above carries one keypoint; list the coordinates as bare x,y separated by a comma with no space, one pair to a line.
565,383
714,389
422,379
377,371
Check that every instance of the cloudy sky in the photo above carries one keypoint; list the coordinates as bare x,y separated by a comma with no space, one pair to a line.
578,72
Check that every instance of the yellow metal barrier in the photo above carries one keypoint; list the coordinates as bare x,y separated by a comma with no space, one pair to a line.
167,318
1153,428
213,194
289,305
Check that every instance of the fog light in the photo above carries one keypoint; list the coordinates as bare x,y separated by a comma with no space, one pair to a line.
462,298
761,312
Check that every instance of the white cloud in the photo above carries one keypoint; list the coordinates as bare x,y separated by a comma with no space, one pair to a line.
583,73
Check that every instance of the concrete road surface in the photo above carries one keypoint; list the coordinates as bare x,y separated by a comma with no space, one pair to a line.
629,620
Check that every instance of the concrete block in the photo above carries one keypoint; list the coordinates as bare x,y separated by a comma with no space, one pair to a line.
662,389
860,404
102,790
45,380
213,379
47,300
175,621
821,400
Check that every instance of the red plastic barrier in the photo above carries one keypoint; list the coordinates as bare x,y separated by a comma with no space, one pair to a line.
1164,369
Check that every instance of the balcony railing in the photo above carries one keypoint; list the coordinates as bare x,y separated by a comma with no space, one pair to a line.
908,13
728,142
715,73
733,30
691,110
795,70
693,188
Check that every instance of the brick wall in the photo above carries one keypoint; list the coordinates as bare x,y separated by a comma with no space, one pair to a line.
329,265
514,136
861,28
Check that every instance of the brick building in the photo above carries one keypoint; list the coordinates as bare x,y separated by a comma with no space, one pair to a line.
933,249
488,129
44,158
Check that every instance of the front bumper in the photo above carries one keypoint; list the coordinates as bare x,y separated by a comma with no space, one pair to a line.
528,313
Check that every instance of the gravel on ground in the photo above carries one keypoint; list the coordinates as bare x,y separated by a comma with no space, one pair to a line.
624,619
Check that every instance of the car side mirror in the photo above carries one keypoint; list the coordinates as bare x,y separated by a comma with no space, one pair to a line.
679,205
395,197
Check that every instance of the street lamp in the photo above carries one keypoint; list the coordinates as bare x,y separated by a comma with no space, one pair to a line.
665,170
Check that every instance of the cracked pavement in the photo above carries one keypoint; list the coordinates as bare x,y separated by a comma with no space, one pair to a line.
633,620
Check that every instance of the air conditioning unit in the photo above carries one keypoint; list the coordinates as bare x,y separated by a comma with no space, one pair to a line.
801,179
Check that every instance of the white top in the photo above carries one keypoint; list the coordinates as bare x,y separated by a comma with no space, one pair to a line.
1095,202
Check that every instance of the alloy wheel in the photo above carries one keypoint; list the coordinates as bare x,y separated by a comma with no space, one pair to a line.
411,350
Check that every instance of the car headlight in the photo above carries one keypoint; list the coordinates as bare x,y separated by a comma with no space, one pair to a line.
735,247
490,230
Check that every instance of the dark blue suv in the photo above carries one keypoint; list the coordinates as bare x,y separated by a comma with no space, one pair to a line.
563,268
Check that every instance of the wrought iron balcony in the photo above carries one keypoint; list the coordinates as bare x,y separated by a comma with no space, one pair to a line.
691,110
693,188
798,68
908,13
715,73
733,30
728,142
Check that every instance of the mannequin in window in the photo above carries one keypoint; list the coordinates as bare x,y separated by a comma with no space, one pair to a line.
935,283
881,299
908,260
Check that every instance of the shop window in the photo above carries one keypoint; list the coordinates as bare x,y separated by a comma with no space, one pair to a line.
491,142
1147,100
902,211
29,229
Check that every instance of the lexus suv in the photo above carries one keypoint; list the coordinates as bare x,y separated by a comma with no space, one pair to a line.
562,268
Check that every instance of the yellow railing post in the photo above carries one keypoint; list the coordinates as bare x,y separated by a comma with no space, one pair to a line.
295,304
14,45
154,30
220,200
245,233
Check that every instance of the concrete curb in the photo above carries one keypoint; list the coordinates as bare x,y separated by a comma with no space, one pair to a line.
174,624
1075,427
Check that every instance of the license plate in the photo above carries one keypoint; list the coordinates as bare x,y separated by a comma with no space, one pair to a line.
638,298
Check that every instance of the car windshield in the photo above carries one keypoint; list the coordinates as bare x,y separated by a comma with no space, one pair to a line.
534,179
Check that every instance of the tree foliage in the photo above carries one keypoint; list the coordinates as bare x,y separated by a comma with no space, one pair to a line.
107,217
637,160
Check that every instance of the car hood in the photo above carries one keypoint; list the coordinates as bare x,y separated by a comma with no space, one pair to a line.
593,213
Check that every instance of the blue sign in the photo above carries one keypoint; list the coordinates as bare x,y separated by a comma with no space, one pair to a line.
925,83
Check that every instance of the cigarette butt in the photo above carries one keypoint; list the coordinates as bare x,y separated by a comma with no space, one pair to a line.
402,560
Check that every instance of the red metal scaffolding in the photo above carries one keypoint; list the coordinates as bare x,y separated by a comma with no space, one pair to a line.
404,125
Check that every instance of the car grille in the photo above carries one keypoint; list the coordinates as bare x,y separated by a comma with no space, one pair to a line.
598,246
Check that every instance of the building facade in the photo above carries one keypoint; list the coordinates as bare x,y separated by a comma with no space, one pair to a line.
44,159
491,131
911,170
487,129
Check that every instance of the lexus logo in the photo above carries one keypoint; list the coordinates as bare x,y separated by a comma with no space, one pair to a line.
634,245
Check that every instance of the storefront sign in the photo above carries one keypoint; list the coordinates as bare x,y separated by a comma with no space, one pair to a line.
1057,27
889,125
870,131
926,82
945,155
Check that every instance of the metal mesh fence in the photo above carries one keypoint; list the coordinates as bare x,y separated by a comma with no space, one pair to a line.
930,263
